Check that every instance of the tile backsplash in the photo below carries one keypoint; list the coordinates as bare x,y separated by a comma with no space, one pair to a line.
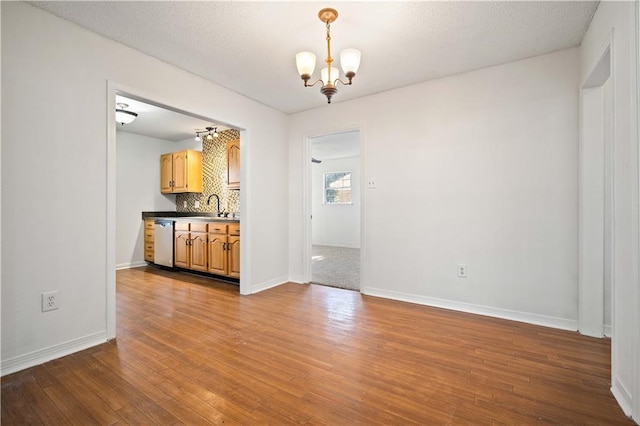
214,176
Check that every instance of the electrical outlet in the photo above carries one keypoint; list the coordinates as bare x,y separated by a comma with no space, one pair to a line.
50,301
462,270
196,204
371,183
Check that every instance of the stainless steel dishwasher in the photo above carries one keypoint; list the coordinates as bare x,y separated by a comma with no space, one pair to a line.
163,242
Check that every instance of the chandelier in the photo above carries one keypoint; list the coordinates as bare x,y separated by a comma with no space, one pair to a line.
329,76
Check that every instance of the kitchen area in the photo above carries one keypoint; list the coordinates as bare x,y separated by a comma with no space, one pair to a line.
184,193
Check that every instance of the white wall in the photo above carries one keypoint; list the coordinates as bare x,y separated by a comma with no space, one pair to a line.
482,167
137,190
618,19
51,70
336,224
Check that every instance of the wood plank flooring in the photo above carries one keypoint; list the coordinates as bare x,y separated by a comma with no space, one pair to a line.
193,351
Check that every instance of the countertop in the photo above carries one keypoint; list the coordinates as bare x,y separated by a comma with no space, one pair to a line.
185,216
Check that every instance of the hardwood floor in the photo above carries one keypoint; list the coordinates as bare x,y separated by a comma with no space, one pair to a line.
191,350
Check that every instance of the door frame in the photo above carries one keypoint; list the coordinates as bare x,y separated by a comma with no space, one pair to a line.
114,88
596,156
307,242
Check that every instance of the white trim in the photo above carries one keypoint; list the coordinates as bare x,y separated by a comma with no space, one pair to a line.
268,284
335,245
110,229
130,265
52,352
621,394
636,350
526,317
306,197
608,330
245,211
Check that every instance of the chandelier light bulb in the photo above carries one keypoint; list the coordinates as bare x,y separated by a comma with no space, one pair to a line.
306,63
350,61
324,76
197,137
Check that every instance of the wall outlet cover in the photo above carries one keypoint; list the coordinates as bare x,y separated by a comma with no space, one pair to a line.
50,301
462,270
371,183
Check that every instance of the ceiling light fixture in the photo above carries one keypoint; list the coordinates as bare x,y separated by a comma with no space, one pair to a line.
209,135
124,117
329,76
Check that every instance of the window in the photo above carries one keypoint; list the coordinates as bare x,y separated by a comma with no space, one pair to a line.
337,188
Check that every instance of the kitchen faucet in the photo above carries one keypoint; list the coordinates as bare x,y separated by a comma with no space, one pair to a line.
217,198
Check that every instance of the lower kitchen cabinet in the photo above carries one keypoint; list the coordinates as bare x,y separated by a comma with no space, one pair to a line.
217,254
149,240
234,256
198,251
181,248
208,247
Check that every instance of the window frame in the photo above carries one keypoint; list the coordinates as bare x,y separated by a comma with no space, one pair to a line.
325,188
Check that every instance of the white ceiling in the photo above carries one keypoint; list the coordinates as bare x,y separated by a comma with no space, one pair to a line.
338,145
162,123
250,47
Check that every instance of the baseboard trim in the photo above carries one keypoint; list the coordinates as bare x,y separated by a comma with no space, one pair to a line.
268,284
622,395
336,245
529,318
607,330
296,280
130,265
52,352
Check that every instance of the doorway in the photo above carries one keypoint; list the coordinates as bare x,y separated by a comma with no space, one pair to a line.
336,209
160,201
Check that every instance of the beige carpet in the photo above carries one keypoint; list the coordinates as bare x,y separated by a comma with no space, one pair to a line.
336,267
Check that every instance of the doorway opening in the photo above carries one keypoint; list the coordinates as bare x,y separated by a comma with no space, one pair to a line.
336,209
133,160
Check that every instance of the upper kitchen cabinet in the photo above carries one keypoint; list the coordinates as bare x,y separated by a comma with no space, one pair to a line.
233,164
181,172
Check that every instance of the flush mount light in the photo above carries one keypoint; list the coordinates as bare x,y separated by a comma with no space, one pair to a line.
124,117
329,76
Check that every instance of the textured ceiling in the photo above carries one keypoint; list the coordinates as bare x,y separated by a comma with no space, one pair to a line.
250,47
162,123
337,145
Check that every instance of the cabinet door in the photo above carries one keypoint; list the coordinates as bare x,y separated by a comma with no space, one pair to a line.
180,171
199,251
181,249
166,173
217,254
234,257
233,164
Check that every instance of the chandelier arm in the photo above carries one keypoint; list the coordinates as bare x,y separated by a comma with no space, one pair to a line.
344,83
306,84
